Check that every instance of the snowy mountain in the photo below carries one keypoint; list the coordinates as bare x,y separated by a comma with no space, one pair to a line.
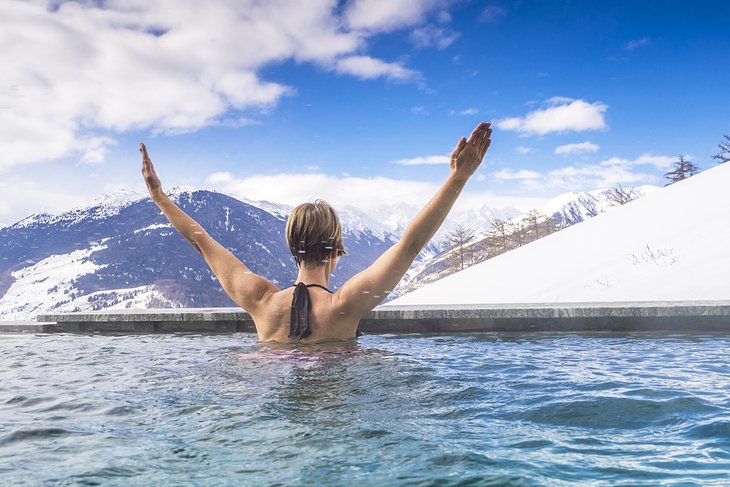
666,246
120,252
564,210
574,207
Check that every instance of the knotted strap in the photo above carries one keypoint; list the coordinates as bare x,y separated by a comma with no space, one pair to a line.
301,305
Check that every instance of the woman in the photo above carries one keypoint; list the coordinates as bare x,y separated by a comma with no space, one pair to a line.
309,311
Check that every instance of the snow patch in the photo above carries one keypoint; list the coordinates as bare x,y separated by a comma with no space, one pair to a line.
47,284
154,226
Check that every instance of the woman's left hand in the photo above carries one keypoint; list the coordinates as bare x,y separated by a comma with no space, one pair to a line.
154,186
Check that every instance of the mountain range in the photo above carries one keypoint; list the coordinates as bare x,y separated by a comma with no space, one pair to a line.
119,251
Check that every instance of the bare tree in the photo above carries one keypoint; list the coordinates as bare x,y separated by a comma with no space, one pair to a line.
620,195
682,170
462,254
516,231
553,224
499,235
533,219
724,155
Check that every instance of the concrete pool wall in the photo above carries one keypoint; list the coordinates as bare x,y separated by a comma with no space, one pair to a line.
538,317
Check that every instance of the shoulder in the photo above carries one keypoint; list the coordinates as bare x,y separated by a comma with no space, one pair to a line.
268,299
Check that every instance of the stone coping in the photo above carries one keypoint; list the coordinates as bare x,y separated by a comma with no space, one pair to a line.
531,317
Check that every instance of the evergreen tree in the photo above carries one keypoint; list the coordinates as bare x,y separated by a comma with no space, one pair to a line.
724,154
682,170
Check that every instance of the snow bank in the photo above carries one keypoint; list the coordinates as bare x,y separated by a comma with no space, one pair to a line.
669,245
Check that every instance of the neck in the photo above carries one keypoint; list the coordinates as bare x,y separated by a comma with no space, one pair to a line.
318,275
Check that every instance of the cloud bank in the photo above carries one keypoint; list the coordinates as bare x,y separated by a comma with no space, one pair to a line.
76,73
421,160
368,194
607,173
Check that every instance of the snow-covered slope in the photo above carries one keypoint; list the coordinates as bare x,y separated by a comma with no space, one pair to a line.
668,245
564,210
50,284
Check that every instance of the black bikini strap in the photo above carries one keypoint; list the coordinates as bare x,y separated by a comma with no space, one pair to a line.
301,305
313,285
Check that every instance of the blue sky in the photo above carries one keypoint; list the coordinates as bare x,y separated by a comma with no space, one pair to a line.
346,100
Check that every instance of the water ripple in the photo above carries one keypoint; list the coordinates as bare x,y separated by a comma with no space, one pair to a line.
484,409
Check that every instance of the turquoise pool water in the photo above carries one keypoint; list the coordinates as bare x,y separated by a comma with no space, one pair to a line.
487,409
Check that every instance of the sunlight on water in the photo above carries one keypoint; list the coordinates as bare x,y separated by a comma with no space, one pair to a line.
506,409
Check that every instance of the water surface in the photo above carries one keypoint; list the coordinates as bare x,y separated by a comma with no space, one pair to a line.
484,409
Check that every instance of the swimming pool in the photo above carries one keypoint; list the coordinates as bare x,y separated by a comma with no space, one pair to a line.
482,409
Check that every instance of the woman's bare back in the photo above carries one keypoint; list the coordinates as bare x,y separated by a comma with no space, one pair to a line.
327,321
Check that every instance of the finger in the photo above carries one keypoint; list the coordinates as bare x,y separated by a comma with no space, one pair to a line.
459,147
143,150
477,133
486,146
485,141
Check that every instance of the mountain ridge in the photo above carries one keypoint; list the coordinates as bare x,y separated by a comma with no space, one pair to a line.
119,251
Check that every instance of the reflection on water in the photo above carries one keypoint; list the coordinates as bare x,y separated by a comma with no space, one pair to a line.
490,408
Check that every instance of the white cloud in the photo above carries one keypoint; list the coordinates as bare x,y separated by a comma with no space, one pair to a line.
607,173
293,189
564,115
367,67
220,178
469,111
423,160
433,36
658,161
313,167
492,13
559,100
634,43
523,150
386,16
95,149
589,177
419,110
443,17
364,193
22,198
73,71
510,175
578,148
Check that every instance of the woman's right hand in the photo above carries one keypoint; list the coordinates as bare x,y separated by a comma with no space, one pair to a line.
468,153
154,186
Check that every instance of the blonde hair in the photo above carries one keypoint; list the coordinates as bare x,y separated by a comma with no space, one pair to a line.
313,231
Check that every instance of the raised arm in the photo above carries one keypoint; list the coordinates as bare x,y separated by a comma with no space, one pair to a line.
247,289
367,289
